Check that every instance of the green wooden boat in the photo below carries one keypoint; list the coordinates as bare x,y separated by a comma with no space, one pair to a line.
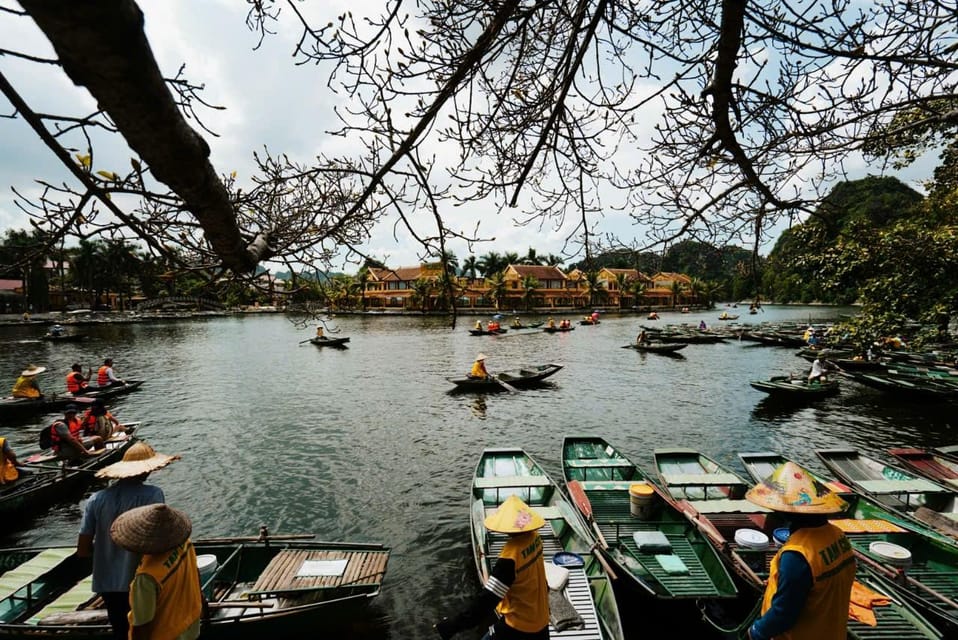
788,388
598,478
254,591
930,583
501,473
712,494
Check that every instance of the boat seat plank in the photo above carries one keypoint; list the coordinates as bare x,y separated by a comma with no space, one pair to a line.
363,568
700,479
22,575
727,506
606,485
898,486
505,482
596,462
72,600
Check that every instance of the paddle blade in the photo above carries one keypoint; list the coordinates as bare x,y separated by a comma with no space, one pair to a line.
577,493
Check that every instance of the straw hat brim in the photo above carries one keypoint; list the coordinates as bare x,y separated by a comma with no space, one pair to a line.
32,371
133,468
829,504
481,356
514,516
792,489
151,529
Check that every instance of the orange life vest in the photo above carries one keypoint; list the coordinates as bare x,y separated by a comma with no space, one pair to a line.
74,425
526,605
73,382
8,472
830,556
179,602
102,377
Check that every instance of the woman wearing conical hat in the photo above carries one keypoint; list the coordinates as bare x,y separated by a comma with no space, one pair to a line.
517,586
810,579
26,385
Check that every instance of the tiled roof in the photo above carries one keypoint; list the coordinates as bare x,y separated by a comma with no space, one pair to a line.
670,275
10,285
401,274
538,272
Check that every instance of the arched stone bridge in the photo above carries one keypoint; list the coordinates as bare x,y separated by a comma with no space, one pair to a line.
199,303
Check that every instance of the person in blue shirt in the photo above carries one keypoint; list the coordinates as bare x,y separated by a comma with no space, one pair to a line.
113,567
810,578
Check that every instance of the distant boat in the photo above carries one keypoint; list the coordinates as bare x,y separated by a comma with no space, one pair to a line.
524,377
63,337
329,342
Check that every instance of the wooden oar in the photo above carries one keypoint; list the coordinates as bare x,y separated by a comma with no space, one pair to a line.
585,506
37,465
505,385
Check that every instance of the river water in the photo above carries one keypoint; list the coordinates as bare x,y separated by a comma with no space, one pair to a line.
367,444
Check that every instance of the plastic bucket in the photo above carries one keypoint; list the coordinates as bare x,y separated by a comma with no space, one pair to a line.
780,536
207,565
893,554
752,547
641,497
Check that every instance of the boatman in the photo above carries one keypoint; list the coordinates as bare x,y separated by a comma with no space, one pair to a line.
819,372
479,367
517,586
165,597
810,579
105,376
8,463
319,332
113,567
26,385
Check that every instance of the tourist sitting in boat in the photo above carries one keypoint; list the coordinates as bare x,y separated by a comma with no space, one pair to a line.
319,333
653,316
703,326
810,579
492,325
67,440
97,421
819,372
106,377
26,385
478,325
76,382
551,324
516,324
642,338
479,367
57,330
517,588
724,315
8,463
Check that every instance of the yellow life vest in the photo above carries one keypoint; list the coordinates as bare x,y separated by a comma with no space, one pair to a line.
832,561
8,472
179,602
526,605
26,387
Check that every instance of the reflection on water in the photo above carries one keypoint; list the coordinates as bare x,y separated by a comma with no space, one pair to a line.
365,443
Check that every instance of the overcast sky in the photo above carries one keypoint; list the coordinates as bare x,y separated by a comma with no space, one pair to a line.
270,102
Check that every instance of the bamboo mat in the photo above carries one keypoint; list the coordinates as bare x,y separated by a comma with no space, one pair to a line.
362,569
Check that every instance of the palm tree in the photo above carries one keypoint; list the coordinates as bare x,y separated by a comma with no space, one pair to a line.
711,291
421,288
470,266
532,258
510,257
554,261
449,262
592,286
678,289
497,288
87,268
622,284
637,289
695,289
529,286
490,264
362,279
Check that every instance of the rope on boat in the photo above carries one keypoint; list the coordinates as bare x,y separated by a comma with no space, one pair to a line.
739,631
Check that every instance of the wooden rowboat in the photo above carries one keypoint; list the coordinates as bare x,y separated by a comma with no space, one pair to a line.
934,466
255,590
10,406
895,488
786,387
501,473
486,332
665,348
598,478
330,342
522,378
930,584
558,329
48,483
66,337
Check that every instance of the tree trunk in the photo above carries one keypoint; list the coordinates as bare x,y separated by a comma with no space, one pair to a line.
102,46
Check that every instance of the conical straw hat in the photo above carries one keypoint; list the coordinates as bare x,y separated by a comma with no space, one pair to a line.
514,516
481,356
792,489
140,458
154,528
32,370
